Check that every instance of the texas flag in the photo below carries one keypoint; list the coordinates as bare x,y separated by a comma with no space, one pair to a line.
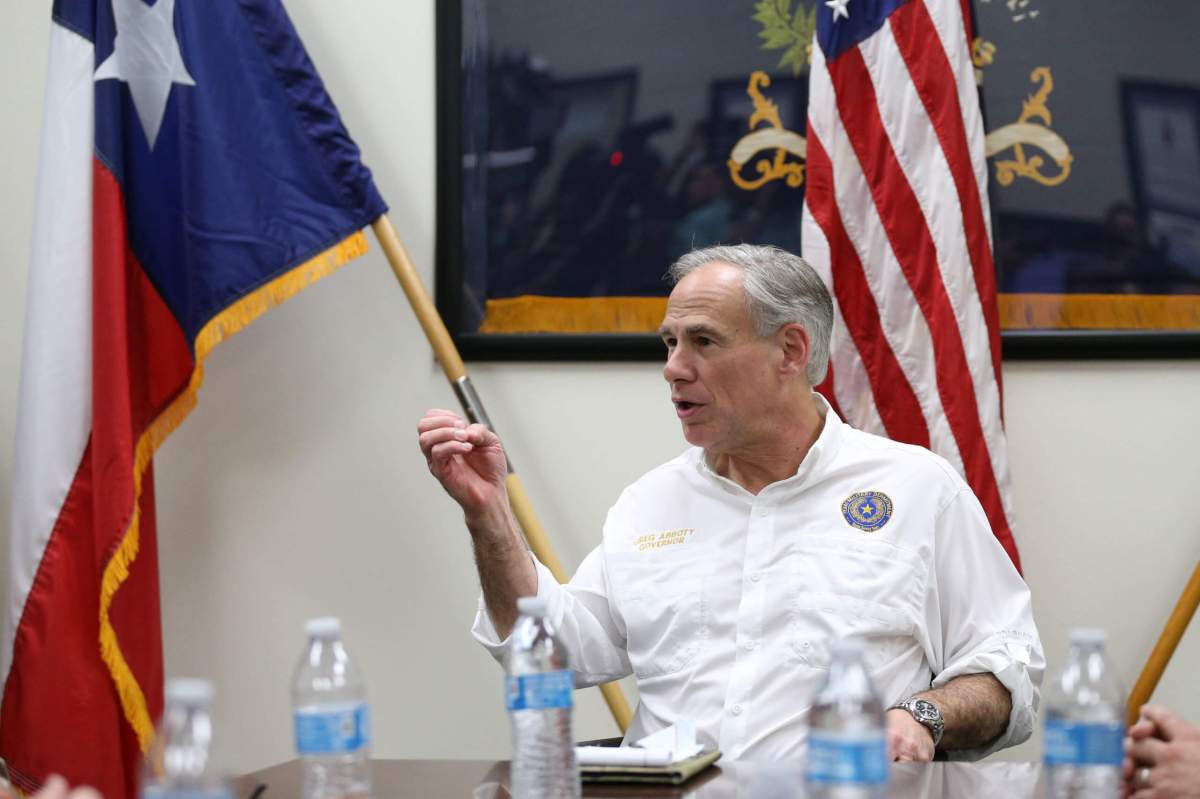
193,173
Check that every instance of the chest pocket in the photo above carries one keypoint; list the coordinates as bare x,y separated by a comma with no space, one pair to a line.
663,597
840,586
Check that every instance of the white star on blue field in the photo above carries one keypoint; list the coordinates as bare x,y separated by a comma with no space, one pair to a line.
146,56
839,8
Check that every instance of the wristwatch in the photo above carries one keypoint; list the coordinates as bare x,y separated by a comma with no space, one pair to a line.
926,713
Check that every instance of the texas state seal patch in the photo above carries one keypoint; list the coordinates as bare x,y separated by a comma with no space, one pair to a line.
867,510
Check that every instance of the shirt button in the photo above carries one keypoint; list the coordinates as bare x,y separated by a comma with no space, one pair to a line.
756,577
762,511
750,645
736,710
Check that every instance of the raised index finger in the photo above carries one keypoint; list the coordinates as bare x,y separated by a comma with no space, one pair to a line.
437,418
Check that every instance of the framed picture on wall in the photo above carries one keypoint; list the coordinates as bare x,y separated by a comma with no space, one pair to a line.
1162,125
581,153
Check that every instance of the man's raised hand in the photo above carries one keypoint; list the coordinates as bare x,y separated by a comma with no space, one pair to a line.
467,459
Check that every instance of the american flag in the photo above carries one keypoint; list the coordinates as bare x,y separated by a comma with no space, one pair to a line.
896,220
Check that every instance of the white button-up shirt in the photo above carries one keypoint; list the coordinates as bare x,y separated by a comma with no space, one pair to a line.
724,604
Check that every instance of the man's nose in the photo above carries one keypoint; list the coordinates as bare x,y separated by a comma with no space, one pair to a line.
677,366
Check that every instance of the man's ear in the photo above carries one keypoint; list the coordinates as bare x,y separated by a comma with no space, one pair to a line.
793,341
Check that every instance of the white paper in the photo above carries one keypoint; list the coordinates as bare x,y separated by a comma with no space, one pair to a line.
622,756
669,745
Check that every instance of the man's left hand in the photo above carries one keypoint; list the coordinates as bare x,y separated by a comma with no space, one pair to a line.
908,739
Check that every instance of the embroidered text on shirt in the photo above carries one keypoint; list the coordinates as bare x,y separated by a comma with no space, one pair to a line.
666,538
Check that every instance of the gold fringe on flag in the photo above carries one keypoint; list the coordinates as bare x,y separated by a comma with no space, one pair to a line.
535,314
220,327
1099,311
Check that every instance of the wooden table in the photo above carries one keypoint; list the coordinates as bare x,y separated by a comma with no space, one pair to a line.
483,779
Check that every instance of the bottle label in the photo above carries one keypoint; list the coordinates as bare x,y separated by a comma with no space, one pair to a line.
1083,744
550,689
851,760
332,729
164,792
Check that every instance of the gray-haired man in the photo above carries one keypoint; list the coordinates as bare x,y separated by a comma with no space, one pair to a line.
724,575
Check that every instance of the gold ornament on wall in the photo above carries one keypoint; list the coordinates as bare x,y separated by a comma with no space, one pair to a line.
773,137
1023,132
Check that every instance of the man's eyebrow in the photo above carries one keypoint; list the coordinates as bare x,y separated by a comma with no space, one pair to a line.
692,330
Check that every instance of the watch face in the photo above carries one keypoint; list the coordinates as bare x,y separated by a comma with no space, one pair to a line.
927,711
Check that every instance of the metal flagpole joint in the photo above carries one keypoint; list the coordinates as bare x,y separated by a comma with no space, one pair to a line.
472,406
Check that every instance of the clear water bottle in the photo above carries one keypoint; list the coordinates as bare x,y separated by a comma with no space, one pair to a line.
847,734
539,686
1085,723
179,764
331,721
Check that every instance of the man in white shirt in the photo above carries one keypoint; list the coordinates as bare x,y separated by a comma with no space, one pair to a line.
724,575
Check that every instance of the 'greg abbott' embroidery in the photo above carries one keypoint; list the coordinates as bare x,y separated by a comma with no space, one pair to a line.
667,538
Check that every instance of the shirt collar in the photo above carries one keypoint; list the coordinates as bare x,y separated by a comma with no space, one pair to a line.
827,443
817,457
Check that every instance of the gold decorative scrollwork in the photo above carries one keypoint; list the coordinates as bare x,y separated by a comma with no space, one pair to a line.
1025,132
775,136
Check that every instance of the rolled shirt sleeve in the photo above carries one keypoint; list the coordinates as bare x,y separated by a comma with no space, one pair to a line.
986,618
583,618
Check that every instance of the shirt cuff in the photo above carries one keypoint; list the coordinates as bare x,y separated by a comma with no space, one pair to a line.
484,631
1011,660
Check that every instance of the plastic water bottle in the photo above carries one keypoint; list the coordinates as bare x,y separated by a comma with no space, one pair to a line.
847,735
1085,727
331,720
539,686
179,764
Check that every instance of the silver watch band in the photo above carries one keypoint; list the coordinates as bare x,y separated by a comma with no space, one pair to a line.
925,713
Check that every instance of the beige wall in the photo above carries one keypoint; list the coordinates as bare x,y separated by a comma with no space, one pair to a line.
296,488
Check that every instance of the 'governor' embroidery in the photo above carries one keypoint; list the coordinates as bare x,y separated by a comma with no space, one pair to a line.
667,538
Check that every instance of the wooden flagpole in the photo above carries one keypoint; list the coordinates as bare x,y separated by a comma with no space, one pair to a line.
452,364
1185,608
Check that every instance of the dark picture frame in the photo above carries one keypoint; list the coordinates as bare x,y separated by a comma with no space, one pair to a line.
449,241
458,90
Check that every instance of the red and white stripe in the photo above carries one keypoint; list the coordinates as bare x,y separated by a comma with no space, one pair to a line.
896,220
